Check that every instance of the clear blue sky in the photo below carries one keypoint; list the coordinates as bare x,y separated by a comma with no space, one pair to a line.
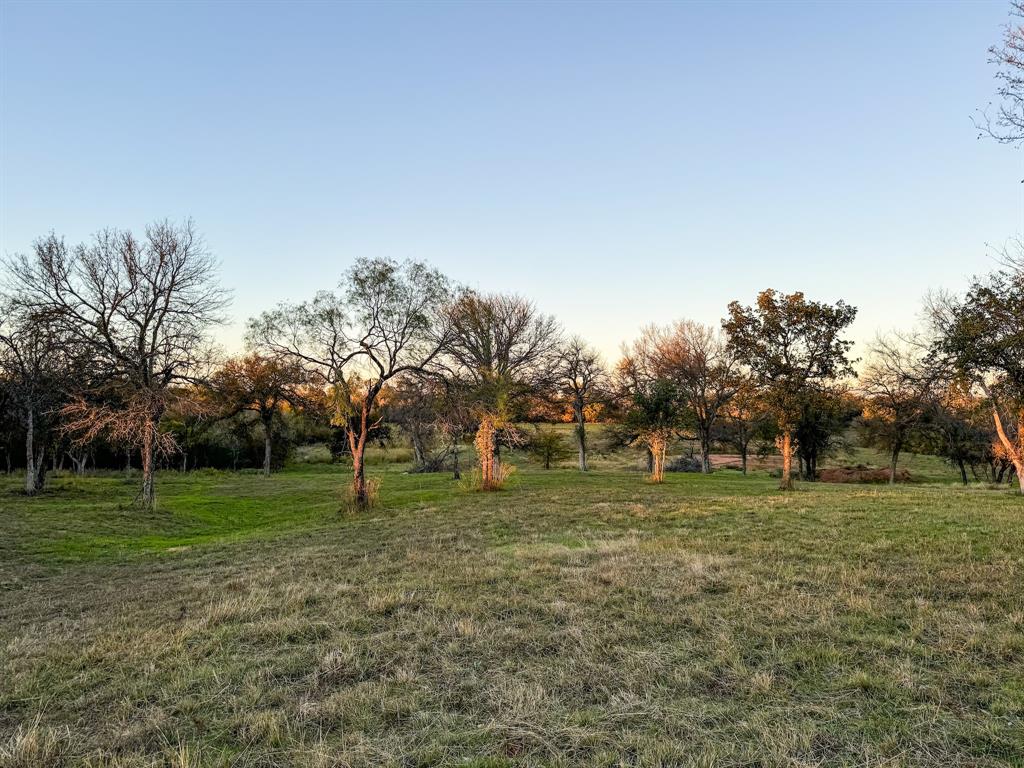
618,163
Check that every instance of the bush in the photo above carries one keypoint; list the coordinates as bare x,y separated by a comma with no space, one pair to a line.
861,474
683,464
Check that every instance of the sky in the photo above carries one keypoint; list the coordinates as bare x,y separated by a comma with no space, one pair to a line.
619,164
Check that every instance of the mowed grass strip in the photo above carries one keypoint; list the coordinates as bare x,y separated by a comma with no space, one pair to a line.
569,620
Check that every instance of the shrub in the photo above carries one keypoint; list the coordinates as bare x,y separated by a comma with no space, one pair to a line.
683,464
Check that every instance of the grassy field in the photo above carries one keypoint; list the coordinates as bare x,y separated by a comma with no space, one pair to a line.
568,620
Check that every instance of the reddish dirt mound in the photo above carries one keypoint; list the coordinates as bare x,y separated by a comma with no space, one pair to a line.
860,474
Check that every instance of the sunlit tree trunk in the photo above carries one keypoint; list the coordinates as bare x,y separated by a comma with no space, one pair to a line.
786,483
657,445
1014,452
357,444
487,454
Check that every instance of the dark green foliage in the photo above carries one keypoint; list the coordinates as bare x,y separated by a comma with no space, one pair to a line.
824,419
548,446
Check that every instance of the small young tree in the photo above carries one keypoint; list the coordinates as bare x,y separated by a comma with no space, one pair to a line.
792,346
825,416
652,413
262,385
583,381
385,320
501,350
548,446
142,309
898,386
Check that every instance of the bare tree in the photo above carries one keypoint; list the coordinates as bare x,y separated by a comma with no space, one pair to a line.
386,319
583,379
1006,125
501,349
142,307
704,371
39,368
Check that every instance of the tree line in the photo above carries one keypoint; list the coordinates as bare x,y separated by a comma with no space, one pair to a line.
107,346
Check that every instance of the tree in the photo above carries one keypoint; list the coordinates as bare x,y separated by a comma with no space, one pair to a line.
745,419
982,337
142,309
898,384
1007,124
703,369
262,385
386,319
583,381
428,413
825,415
955,427
501,350
39,369
652,412
548,446
792,347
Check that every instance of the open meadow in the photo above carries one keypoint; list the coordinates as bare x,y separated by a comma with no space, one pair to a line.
570,619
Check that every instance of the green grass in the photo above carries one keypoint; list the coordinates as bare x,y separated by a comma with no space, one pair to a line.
568,620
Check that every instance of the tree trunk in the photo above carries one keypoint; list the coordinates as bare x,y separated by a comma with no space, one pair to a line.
963,471
128,464
1014,452
30,455
357,444
419,453
456,471
147,494
487,454
360,494
743,458
786,483
657,447
892,466
41,468
267,447
581,435
705,451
